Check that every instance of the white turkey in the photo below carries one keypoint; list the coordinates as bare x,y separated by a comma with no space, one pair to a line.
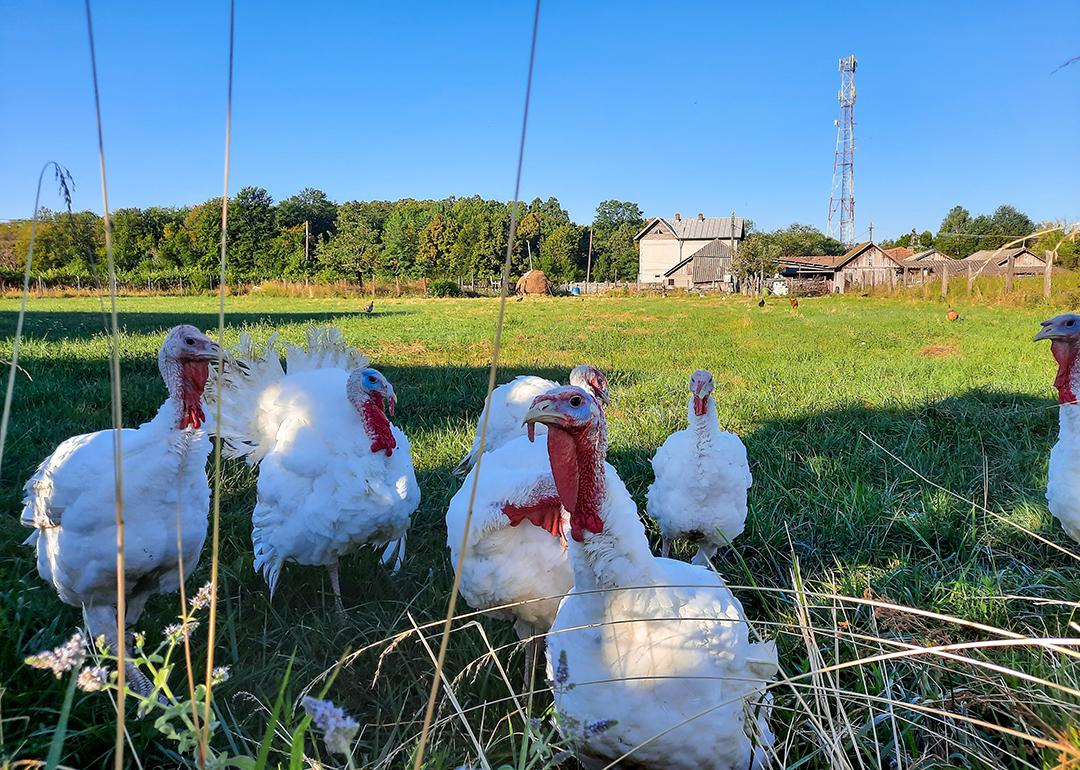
510,401
701,478
516,565
1063,475
334,473
71,501
647,656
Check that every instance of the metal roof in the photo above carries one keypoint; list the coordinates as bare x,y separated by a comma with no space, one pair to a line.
705,228
714,248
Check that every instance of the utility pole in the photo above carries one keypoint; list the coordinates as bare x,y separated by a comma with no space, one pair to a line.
307,239
842,199
588,263
731,252
871,232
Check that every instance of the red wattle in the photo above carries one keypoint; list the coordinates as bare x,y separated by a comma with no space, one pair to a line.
378,427
545,513
562,452
1065,354
193,376
700,404
586,521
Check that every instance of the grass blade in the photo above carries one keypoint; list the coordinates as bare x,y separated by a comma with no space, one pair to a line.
268,736
56,745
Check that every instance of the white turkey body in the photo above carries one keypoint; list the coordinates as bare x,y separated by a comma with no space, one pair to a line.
321,490
507,564
648,657
1063,478
509,403
702,477
334,473
70,501
686,651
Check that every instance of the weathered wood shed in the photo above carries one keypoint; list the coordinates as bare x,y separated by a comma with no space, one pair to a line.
862,266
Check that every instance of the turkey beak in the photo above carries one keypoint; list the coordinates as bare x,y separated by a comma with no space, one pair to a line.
1048,331
540,411
213,352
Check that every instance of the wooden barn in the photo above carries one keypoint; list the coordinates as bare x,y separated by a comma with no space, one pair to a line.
707,268
862,266
1024,261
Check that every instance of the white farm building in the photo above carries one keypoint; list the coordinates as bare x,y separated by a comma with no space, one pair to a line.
665,243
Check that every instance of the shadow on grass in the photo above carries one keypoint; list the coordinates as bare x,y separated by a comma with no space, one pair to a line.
85,325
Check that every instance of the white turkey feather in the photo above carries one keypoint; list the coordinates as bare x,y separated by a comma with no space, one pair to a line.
674,650
322,491
1063,477
508,564
701,481
509,403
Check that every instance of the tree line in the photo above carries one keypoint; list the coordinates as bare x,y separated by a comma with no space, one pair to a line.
309,236
959,235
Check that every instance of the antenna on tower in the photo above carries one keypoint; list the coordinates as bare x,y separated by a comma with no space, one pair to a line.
842,200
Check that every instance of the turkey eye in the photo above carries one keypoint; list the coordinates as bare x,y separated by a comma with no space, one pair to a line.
1070,322
189,341
575,401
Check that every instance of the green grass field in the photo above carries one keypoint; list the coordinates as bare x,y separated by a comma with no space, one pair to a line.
833,401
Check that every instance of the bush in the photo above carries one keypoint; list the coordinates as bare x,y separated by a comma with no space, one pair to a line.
444,288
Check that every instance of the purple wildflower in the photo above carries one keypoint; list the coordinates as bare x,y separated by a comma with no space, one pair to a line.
338,728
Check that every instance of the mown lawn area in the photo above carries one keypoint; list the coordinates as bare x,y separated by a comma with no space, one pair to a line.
841,404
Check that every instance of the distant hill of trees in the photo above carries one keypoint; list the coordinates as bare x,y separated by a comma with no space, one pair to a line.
310,236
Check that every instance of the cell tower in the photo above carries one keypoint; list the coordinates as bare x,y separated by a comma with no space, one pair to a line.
842,200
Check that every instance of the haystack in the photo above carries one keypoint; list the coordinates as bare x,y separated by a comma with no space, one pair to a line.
534,282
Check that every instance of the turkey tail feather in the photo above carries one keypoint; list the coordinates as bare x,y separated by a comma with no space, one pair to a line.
461,470
326,349
249,371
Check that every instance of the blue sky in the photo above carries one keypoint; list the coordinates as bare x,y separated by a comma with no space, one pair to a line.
691,107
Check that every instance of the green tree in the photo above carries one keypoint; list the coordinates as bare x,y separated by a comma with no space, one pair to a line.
615,253
251,229
759,254
355,248
435,245
202,236
311,206
560,251
950,237
401,235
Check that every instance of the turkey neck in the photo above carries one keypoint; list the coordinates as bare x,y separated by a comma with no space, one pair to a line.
608,548
186,380
370,408
704,426
1065,353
